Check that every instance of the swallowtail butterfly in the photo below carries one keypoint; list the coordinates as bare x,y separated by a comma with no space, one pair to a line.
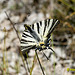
37,35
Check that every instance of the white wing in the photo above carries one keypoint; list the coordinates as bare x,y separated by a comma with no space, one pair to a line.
27,41
44,28
38,32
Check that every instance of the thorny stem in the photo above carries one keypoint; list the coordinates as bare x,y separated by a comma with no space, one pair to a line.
39,62
19,40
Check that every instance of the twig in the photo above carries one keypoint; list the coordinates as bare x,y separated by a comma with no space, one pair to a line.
19,40
39,62
12,25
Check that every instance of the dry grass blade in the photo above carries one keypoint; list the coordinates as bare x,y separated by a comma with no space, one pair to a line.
34,60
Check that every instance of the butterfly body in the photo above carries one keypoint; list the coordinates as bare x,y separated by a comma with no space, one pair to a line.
37,36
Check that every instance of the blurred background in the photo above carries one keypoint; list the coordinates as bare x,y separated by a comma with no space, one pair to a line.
28,12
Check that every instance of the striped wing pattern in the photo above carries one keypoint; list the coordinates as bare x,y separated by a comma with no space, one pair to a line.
37,32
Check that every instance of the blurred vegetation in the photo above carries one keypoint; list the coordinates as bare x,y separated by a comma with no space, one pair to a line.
63,10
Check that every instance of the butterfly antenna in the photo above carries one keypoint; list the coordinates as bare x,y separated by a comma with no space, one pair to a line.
39,62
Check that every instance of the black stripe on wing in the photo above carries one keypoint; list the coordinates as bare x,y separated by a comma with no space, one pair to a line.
26,35
48,21
38,27
33,26
51,29
26,45
33,33
24,50
23,40
40,23
54,24
45,23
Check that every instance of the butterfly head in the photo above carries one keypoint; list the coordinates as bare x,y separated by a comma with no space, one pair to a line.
41,46
41,43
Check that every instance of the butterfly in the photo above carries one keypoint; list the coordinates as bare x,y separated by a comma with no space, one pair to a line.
37,36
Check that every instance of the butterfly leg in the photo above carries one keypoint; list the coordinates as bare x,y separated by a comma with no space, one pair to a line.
52,50
45,55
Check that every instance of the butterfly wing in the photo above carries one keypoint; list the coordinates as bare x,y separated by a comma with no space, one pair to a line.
51,24
29,39
44,28
38,32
